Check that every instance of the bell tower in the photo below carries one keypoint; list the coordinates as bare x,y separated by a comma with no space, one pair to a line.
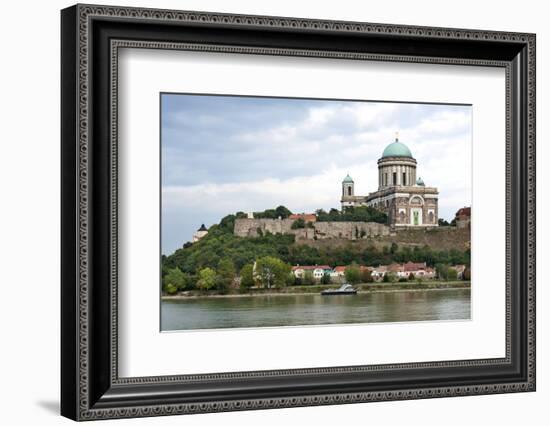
348,187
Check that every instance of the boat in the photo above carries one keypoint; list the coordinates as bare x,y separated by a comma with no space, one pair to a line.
344,289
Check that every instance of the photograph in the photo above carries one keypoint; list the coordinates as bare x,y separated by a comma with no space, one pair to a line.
279,212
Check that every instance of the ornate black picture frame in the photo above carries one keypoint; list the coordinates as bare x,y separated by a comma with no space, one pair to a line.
91,36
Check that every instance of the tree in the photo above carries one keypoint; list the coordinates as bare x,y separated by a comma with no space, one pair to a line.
443,271
226,274
177,279
308,278
452,275
411,276
272,272
298,224
442,222
282,212
207,279
466,275
394,247
247,276
353,274
170,289
325,279
366,275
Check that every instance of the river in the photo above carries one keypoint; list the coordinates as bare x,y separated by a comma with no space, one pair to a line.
313,309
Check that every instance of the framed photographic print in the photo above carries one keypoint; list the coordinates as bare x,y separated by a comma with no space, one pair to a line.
263,212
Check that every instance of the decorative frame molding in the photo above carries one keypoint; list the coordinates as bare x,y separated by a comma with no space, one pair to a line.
91,37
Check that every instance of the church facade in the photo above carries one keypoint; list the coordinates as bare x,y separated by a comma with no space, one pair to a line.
406,200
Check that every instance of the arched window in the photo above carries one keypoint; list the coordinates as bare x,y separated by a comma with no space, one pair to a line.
349,190
404,182
394,178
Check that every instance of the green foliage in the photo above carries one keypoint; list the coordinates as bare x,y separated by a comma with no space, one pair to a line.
391,276
386,278
226,274
325,279
452,275
445,272
308,278
411,276
280,211
220,243
298,224
170,289
247,277
353,214
178,279
207,279
366,276
272,272
402,280
442,222
353,274
228,223
466,275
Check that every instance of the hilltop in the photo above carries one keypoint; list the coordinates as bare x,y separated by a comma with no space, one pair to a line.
448,245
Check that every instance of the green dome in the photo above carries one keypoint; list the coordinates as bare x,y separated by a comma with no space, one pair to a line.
397,149
420,182
347,179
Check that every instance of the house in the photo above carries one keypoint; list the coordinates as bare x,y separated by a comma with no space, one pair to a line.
419,270
379,272
338,271
320,271
200,233
317,271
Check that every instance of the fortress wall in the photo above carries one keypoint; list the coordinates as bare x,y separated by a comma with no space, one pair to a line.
249,227
321,230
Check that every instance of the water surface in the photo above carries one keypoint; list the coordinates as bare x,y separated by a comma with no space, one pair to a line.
314,309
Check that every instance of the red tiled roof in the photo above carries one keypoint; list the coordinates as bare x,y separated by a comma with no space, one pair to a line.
340,269
411,266
308,217
395,267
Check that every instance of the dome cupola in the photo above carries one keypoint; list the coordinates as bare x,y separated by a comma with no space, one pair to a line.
347,179
397,149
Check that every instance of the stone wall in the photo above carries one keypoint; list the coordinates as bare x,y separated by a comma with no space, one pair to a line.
320,230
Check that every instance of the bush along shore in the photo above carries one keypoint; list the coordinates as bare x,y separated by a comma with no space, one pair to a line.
316,289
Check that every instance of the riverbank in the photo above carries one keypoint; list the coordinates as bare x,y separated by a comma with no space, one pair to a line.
316,289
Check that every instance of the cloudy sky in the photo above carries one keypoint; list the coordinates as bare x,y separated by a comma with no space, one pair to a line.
222,154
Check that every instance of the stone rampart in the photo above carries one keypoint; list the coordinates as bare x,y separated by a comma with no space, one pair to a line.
320,230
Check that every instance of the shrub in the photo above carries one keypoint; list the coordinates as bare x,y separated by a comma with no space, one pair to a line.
298,224
353,274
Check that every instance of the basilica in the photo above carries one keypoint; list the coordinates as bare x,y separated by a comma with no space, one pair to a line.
406,200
